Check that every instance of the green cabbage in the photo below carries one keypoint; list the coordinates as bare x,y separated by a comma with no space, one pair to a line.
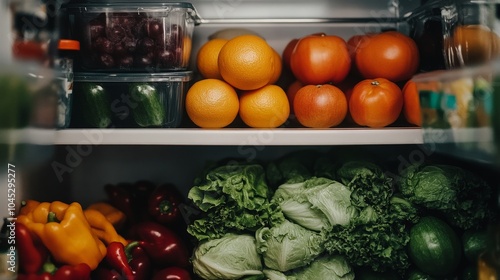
276,275
462,197
229,257
316,203
328,267
325,267
288,246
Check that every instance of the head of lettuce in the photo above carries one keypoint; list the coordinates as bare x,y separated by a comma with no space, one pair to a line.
229,257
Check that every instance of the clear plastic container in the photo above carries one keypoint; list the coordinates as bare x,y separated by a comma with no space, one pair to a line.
469,36
458,110
127,100
453,34
29,96
125,36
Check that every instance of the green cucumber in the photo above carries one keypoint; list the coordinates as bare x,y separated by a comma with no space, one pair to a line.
434,247
96,108
148,109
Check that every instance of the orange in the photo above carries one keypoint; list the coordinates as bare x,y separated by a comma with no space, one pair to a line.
277,68
187,45
266,107
246,62
212,103
206,59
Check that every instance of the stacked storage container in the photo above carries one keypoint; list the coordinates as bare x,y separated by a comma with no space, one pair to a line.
132,69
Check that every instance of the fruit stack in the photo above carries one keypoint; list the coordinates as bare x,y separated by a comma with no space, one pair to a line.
132,70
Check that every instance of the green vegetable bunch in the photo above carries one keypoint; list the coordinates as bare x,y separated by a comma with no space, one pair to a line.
378,236
462,197
306,216
234,198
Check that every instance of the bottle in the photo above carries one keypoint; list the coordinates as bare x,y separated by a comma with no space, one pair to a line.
63,64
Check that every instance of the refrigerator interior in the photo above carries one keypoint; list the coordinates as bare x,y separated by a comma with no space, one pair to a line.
74,164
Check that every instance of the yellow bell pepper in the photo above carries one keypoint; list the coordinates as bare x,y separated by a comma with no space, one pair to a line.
116,217
102,228
28,206
66,233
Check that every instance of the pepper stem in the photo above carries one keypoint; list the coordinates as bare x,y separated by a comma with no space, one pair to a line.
52,218
128,249
165,206
49,267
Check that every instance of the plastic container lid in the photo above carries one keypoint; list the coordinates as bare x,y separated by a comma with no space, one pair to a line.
93,6
69,45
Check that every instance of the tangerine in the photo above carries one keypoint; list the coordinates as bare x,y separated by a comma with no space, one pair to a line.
266,107
247,62
207,58
278,66
212,103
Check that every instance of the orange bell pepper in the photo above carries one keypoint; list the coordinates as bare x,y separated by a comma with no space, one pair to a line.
116,217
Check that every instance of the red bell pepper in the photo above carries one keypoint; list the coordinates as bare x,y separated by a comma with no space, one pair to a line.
104,273
120,197
163,204
172,273
73,272
140,192
139,261
32,254
117,259
66,272
162,244
34,276
131,199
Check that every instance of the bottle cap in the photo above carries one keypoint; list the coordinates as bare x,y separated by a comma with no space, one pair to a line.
69,45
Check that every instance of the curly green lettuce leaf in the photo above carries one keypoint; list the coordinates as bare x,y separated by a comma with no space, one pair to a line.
370,186
380,246
233,198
